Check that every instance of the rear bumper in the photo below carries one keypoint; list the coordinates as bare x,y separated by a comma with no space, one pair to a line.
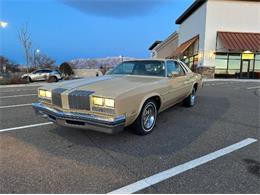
78,120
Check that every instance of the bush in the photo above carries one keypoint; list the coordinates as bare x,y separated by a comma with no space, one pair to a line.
13,80
66,69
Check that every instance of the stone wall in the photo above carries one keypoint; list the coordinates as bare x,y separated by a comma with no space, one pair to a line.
206,72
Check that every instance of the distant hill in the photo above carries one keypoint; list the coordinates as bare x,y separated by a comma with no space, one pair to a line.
96,63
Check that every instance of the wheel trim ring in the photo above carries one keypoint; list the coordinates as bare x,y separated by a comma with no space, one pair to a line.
150,105
193,97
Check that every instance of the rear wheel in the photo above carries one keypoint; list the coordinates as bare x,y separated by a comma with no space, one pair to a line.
52,79
146,120
191,99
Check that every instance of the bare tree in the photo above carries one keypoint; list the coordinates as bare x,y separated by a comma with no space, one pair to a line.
25,39
43,61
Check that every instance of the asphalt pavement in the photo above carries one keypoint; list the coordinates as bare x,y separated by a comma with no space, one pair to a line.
39,157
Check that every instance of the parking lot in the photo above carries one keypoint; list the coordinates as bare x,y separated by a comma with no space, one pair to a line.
36,156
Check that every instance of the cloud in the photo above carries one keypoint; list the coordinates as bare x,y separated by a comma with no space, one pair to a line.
116,8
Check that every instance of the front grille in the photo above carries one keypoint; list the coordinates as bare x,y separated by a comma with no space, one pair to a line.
79,99
104,110
56,96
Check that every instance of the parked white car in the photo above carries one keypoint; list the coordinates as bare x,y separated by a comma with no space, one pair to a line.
43,75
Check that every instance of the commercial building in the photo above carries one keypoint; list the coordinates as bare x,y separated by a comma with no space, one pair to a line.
166,48
221,38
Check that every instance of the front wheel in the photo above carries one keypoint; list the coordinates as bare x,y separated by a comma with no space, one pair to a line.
146,120
191,99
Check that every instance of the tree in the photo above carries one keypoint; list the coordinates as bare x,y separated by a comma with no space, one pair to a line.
43,61
66,69
8,66
25,39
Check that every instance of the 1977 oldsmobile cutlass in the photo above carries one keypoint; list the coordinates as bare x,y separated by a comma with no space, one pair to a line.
133,93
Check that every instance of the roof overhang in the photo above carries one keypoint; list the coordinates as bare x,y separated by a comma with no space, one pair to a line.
239,41
184,46
190,11
154,45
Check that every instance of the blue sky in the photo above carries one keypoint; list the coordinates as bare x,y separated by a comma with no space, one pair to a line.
70,29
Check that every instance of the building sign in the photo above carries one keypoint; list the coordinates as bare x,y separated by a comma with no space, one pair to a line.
247,56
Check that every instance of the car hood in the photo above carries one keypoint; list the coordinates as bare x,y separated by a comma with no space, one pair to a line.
109,85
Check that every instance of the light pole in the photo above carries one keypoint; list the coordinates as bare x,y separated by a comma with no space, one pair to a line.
36,51
3,24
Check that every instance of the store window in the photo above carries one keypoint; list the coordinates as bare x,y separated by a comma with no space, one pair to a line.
221,64
257,62
191,62
234,63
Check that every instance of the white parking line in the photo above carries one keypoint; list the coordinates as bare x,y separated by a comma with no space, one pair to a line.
26,126
255,87
154,179
12,96
13,106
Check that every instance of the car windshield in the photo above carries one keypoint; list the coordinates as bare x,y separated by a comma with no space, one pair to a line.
148,68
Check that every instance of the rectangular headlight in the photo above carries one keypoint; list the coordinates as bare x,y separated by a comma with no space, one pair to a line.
48,94
44,93
98,101
109,103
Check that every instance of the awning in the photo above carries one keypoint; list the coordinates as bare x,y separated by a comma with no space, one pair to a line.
240,41
184,46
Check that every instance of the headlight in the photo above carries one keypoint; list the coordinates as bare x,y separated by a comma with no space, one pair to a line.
44,93
98,101
109,102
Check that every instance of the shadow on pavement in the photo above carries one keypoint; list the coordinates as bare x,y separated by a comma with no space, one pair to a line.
253,166
176,128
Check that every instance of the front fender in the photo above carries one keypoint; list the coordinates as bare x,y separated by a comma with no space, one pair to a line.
144,99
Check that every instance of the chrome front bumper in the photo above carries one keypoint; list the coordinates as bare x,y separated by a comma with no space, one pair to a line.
78,120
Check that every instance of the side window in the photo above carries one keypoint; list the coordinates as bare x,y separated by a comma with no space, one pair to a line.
179,69
173,66
185,67
46,71
170,68
38,72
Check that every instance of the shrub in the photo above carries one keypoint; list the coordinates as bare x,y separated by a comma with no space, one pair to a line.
13,80
66,69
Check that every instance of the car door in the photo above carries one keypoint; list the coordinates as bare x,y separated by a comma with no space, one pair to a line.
189,78
177,82
45,74
36,75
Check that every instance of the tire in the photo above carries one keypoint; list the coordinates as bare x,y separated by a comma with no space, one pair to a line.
52,79
27,79
191,99
144,126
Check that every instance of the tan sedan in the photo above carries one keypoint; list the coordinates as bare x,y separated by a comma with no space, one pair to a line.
133,93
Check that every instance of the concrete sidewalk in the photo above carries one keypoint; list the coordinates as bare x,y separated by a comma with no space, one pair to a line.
232,80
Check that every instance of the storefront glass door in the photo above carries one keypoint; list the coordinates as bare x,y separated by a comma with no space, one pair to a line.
244,70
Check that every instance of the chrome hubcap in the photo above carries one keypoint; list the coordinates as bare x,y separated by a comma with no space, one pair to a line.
149,116
193,97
